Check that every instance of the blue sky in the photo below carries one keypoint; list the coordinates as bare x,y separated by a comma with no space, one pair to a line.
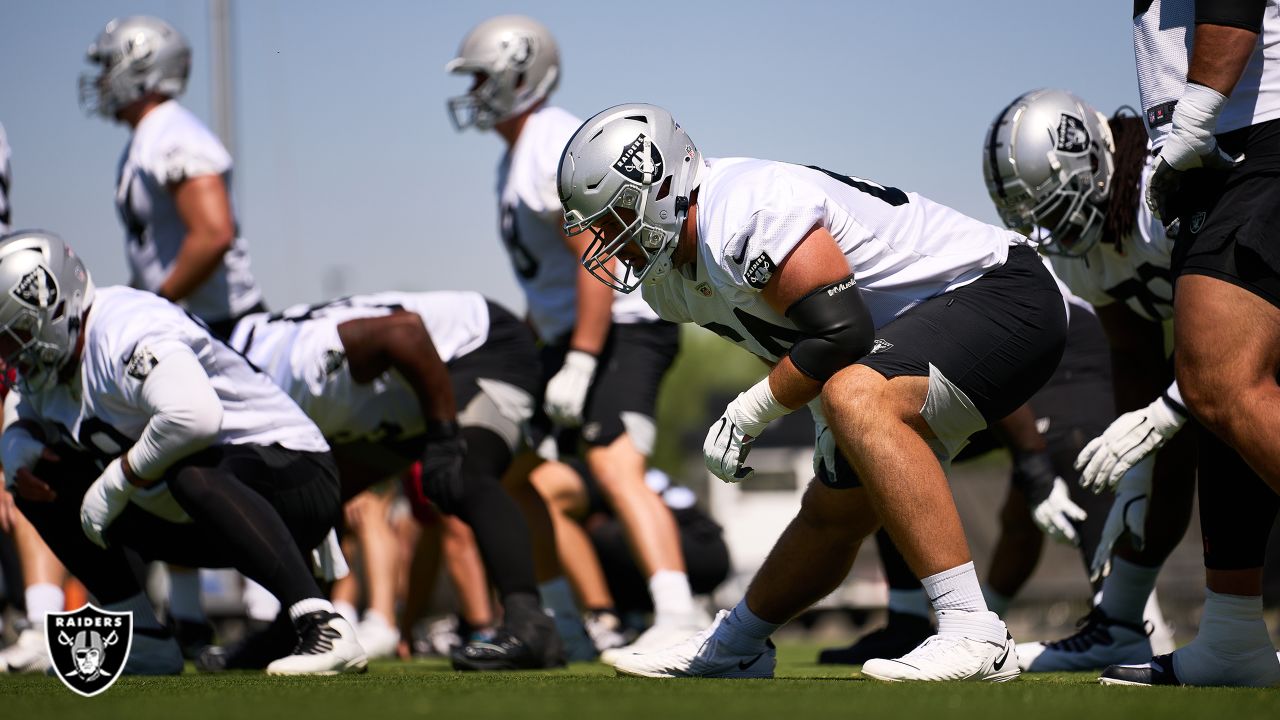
349,176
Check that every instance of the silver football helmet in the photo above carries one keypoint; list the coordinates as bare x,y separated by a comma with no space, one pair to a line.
1048,162
516,63
626,175
44,291
136,55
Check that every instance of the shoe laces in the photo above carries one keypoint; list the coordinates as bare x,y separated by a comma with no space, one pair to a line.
1095,629
316,634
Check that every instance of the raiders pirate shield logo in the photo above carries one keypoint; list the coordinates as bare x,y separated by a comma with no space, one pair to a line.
1197,222
1073,137
640,161
89,647
37,288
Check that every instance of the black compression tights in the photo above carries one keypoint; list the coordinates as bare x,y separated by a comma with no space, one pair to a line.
500,529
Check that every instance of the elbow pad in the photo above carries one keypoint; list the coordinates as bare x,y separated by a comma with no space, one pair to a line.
836,326
1243,14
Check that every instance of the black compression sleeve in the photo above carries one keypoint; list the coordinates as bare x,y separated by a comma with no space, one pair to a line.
1243,14
836,326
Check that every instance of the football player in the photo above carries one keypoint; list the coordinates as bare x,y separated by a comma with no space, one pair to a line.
871,304
604,353
447,378
1204,70
1058,169
173,191
200,459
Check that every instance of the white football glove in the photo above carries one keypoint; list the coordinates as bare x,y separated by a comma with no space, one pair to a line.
1189,144
567,391
105,499
1127,441
729,439
1128,513
1054,514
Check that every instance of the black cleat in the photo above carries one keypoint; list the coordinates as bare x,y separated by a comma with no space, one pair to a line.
255,652
1157,672
528,641
193,636
903,633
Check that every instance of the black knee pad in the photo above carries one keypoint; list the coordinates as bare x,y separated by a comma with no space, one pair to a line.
1237,508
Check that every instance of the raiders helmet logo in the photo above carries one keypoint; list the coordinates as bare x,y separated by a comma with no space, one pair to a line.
519,51
37,289
640,161
1073,137
760,270
88,648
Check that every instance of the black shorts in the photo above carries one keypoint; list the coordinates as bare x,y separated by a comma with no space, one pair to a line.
999,338
509,354
635,358
1229,223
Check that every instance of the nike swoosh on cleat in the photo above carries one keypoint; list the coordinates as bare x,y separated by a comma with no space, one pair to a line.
1004,657
743,665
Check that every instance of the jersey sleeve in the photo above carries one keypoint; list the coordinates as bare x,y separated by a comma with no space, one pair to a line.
782,211
168,383
181,156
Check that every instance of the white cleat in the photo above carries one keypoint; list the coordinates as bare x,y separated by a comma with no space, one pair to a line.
658,637
326,646
1099,643
701,655
950,657
28,654
377,637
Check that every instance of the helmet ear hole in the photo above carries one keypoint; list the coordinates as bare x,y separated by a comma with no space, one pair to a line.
665,188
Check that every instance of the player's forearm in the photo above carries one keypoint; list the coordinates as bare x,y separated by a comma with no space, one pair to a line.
791,387
1225,35
1018,432
595,314
200,255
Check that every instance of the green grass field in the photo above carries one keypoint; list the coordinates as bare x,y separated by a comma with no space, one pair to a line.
589,690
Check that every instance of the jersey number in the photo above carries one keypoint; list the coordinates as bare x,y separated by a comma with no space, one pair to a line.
770,337
523,260
891,195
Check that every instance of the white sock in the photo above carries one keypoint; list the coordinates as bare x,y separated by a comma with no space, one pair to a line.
957,602
955,589
310,605
144,616
1232,647
347,611
744,632
371,615
43,598
184,596
1126,589
260,604
996,603
557,596
910,602
672,597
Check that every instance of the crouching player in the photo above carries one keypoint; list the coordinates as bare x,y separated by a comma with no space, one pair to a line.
444,377
176,448
913,326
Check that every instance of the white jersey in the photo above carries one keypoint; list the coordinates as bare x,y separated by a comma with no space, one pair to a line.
1163,32
168,146
531,221
1135,272
301,351
5,178
901,248
130,331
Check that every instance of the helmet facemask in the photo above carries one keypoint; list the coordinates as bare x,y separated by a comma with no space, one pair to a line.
613,233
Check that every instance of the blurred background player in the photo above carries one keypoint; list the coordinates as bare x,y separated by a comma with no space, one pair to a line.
1072,179
604,353
202,460
448,378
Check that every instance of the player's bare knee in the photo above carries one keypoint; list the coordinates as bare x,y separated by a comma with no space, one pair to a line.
852,398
